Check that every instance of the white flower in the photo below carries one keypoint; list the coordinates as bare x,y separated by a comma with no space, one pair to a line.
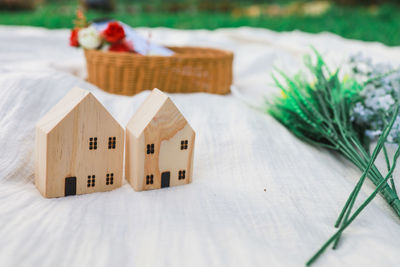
372,111
89,38
361,114
373,134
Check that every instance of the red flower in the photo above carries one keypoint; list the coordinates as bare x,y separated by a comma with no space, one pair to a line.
73,39
114,32
123,46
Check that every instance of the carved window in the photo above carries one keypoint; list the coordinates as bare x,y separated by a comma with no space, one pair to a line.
111,142
110,179
91,180
182,175
149,179
150,149
92,143
184,144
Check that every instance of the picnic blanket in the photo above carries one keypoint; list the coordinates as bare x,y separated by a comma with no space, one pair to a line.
259,197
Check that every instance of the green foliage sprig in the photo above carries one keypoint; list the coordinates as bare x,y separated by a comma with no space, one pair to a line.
319,113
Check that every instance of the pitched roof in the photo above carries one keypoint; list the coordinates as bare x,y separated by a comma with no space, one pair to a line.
147,111
67,104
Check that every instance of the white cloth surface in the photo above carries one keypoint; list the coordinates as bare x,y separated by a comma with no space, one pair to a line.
259,197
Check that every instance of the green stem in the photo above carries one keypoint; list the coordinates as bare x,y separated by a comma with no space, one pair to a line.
376,173
357,212
352,198
388,193
361,163
388,167
349,205
391,197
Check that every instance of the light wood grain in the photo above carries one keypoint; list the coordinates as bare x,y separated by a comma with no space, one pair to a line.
63,146
158,121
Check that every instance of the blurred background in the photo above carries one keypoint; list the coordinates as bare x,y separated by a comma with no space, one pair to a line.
369,20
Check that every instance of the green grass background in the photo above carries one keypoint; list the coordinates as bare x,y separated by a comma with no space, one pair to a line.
365,22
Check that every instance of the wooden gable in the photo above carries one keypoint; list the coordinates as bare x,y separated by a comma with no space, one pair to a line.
78,138
153,145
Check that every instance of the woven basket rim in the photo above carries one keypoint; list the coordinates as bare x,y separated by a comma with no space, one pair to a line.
190,69
215,53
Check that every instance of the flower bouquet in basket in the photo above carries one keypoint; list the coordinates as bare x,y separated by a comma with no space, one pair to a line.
344,115
88,37
114,36
121,61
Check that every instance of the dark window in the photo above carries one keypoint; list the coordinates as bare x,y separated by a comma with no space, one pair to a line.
111,142
110,178
149,179
93,143
91,180
182,175
184,144
150,149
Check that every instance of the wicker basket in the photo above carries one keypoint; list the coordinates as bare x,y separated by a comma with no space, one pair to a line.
190,69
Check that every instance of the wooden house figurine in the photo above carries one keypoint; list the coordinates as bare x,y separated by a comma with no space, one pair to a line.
159,145
79,148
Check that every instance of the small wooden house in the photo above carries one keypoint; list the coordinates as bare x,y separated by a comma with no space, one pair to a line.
159,145
79,148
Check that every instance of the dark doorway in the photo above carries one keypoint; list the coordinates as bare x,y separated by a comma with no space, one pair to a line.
70,186
165,176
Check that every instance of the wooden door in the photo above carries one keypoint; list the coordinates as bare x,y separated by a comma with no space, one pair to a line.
70,186
165,177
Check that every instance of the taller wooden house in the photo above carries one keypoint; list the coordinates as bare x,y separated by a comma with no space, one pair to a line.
79,148
159,145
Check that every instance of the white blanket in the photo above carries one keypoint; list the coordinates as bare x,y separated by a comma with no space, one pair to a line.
259,197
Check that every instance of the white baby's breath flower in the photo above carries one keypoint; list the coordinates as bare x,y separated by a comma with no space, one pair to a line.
378,97
89,38
373,134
